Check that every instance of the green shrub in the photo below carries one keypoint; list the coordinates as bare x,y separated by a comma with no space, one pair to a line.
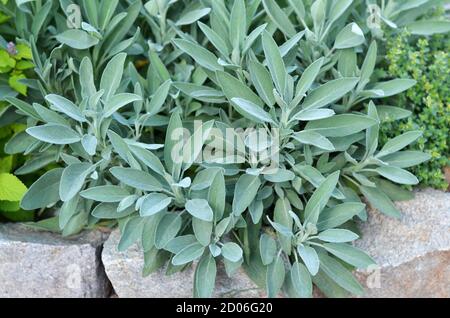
426,61
116,106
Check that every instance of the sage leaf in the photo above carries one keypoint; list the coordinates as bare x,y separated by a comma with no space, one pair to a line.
205,277
351,255
275,277
309,257
137,179
267,249
232,252
301,280
43,192
245,191
154,203
54,134
337,236
188,254
72,180
65,106
350,36
251,111
107,193
340,274
77,39
200,209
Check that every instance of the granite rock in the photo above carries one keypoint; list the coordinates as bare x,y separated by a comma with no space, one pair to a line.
124,270
44,265
412,253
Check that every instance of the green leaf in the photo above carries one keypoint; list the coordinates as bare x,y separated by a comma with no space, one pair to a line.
154,203
405,159
136,178
278,17
200,209
340,274
238,24
180,242
350,36
192,16
368,65
172,144
329,92
167,229
112,75
202,230
159,98
274,62
338,8
149,159
392,87
43,192
106,193
201,55
337,236
267,249
398,143
188,254
282,217
339,214
380,201
309,257
313,114
24,107
233,88
397,175
281,175
215,39
320,198
77,39
313,138
217,195
341,125
65,106
351,255
118,101
308,77
232,252
262,82
89,144
205,277
54,134
108,211
11,188
301,280
275,277
72,180
251,111
131,232
427,27
245,191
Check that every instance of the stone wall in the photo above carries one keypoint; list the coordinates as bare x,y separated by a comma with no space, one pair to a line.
413,256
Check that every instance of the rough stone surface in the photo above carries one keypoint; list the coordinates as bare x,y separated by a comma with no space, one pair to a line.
124,270
413,253
42,264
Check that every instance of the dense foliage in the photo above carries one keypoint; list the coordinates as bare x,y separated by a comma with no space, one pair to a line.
426,61
215,131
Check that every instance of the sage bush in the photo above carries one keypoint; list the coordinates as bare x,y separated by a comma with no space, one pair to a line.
239,132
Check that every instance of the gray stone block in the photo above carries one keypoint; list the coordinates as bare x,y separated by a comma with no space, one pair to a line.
413,253
44,265
124,270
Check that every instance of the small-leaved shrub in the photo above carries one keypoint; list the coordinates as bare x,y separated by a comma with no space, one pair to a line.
242,132
426,61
